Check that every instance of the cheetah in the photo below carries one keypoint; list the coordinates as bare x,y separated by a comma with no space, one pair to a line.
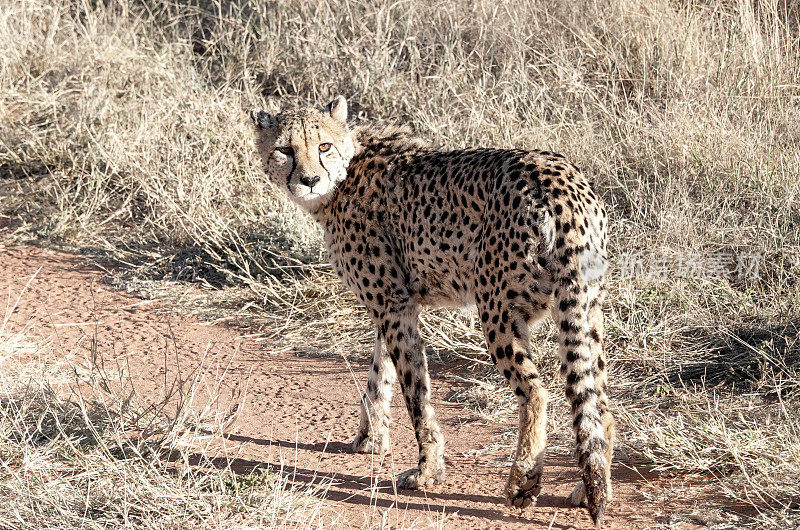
516,234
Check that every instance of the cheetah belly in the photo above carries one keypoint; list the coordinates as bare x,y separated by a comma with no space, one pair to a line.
432,293
440,260
448,284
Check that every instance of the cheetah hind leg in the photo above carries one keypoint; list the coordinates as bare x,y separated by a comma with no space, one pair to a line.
510,350
372,443
524,478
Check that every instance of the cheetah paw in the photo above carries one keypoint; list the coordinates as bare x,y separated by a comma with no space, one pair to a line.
578,496
378,445
413,478
525,493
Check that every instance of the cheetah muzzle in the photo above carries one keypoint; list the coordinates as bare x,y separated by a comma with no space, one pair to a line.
518,234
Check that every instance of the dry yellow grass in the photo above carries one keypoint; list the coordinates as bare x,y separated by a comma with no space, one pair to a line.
123,135
80,448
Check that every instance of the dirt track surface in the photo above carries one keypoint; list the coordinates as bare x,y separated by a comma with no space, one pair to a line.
300,413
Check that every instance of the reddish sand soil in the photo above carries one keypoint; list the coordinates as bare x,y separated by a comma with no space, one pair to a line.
300,413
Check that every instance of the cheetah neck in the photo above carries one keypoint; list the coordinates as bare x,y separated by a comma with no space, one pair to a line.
375,148
383,141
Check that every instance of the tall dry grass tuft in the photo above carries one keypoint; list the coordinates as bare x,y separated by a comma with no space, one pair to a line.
123,133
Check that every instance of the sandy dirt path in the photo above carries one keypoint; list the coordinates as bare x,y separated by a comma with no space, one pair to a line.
300,413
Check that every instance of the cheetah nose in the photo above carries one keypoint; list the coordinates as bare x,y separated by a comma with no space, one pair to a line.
309,181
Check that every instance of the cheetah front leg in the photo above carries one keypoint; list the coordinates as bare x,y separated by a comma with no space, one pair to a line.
408,355
373,431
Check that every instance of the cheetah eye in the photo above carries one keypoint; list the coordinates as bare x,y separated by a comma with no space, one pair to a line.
324,147
288,151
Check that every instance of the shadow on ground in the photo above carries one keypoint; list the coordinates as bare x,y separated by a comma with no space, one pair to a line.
764,356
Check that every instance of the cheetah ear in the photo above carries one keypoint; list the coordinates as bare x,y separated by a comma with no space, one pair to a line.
338,109
261,119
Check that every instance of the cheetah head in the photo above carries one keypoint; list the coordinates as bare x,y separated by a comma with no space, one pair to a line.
305,151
